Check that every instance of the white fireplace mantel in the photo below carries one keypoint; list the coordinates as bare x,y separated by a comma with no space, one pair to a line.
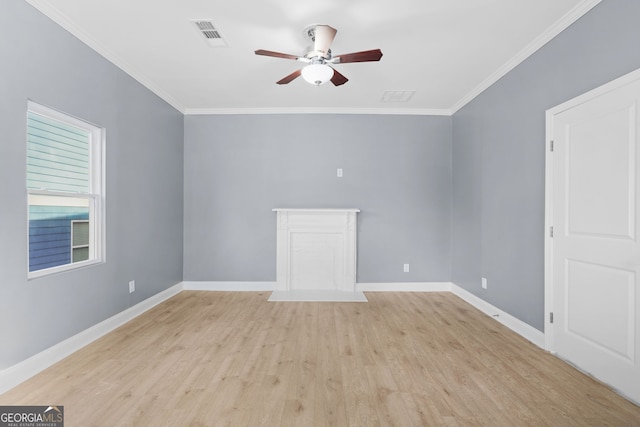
316,250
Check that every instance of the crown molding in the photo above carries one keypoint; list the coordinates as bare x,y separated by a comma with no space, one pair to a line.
563,23
45,7
59,18
311,110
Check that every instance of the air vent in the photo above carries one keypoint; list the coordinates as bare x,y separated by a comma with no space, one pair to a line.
209,32
397,95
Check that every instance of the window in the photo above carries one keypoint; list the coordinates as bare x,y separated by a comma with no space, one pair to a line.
79,240
65,191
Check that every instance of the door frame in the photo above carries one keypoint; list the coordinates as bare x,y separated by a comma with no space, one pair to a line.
548,191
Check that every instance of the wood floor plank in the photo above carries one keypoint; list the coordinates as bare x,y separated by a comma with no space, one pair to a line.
403,359
299,408
357,390
330,409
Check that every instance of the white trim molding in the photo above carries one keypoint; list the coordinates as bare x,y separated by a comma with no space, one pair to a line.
318,110
518,326
249,286
569,18
228,286
26,369
563,23
405,287
549,179
59,18
316,249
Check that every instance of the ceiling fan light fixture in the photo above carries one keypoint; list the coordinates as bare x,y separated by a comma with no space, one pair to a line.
318,56
317,74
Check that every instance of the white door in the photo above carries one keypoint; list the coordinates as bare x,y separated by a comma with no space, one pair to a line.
594,254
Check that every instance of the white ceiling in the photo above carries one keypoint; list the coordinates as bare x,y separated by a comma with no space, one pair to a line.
447,51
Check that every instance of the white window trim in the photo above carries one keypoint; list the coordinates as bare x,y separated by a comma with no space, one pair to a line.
96,195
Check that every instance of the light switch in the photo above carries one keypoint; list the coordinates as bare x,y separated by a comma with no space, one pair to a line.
339,173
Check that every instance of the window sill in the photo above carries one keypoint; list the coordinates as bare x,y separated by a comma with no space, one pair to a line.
45,272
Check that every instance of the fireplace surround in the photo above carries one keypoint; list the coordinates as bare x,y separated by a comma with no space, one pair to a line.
316,254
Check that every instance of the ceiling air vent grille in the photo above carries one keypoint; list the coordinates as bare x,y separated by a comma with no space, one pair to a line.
397,95
210,32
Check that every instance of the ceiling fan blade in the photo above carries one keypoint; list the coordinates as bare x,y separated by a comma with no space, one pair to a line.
324,36
275,54
338,79
364,56
289,78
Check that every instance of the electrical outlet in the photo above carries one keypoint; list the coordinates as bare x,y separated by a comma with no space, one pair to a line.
132,286
339,173
484,283
406,268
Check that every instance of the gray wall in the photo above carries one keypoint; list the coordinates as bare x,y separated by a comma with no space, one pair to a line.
144,170
397,170
498,156
457,198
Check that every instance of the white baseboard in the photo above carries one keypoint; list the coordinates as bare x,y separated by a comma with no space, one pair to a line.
24,370
405,287
228,286
516,325
360,287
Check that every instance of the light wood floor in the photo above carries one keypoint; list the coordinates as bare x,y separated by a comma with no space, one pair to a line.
403,359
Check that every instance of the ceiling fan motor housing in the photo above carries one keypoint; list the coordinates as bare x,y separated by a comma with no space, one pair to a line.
315,56
309,32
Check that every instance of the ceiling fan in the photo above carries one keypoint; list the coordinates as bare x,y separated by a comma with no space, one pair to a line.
319,57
